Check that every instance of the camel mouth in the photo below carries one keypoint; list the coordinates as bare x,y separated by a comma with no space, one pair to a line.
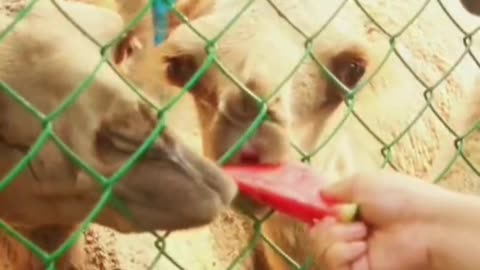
171,187
249,156
148,215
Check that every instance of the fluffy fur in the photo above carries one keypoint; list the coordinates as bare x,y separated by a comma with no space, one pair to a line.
44,59
261,49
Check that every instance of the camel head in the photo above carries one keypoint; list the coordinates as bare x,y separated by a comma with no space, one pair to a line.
45,59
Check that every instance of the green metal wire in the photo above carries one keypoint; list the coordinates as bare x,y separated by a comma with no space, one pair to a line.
108,183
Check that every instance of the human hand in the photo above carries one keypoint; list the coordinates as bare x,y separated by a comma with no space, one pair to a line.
399,213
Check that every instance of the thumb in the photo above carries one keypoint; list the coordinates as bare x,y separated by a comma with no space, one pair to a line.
342,191
341,196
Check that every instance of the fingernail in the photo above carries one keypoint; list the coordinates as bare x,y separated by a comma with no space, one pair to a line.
357,248
327,197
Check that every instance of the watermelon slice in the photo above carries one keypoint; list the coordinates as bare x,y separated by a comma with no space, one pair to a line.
292,189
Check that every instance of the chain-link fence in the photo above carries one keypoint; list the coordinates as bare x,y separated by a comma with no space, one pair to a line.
212,60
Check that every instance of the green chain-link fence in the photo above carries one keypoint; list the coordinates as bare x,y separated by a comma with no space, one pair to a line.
210,44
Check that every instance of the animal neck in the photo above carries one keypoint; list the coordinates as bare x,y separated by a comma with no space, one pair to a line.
14,255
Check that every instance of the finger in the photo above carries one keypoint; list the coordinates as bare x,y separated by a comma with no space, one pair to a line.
339,191
321,225
348,232
326,222
359,187
339,232
342,254
361,263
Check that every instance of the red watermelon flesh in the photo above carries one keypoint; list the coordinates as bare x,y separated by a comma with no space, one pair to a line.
292,189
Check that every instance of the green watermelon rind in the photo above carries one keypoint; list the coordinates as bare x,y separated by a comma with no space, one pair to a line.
348,212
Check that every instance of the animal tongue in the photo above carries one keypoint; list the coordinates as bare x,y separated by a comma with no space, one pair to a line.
292,189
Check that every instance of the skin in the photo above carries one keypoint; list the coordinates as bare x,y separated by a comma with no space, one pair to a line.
396,209
103,128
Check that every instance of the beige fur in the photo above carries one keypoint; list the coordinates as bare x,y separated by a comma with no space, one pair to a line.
260,50
136,38
44,60
458,164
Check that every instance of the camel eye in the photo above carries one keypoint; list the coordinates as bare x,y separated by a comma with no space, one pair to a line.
180,69
349,68
353,74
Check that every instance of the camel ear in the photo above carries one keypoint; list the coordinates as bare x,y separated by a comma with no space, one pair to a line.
125,51
90,17
192,9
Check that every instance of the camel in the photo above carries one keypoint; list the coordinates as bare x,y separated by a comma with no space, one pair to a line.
472,6
44,59
262,48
